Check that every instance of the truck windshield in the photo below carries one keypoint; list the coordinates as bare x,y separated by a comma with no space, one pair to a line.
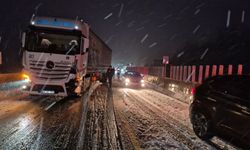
52,43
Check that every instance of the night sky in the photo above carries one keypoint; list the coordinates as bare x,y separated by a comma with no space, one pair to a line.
137,31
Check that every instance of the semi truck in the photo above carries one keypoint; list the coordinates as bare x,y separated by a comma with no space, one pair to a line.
59,54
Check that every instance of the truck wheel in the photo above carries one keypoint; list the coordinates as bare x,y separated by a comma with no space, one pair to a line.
201,125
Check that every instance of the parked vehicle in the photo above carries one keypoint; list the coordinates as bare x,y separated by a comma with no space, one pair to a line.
221,106
133,78
59,53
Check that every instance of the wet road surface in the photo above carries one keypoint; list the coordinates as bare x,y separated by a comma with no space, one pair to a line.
40,122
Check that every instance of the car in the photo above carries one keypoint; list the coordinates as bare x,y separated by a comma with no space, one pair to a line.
221,107
133,78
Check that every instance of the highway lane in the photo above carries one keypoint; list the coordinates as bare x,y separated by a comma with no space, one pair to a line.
146,119
152,120
33,123
45,122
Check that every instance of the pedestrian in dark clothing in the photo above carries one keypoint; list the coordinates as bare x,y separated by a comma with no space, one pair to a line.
118,74
110,73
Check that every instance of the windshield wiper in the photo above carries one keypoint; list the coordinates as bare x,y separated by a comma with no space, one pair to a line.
74,43
72,47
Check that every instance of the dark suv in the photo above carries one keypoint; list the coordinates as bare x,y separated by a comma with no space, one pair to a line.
221,106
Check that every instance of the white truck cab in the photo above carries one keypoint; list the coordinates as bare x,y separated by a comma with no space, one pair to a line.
55,56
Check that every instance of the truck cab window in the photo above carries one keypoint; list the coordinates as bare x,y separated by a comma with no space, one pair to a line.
52,43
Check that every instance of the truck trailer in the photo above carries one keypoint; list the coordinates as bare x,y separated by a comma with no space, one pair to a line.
59,54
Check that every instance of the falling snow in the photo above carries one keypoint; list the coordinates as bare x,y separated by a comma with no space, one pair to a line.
161,25
118,23
139,29
184,9
204,54
173,37
144,38
196,29
145,21
243,16
152,45
131,24
197,11
121,9
167,17
109,39
180,54
109,15
189,76
228,18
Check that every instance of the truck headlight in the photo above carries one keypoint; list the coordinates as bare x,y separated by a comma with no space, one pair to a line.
127,80
26,77
142,81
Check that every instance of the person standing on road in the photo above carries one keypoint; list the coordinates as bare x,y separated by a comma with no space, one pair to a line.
118,74
110,73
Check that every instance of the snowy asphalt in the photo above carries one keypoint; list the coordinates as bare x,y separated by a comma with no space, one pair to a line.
151,120
146,119
39,123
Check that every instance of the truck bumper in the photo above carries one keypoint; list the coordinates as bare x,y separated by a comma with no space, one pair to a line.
46,90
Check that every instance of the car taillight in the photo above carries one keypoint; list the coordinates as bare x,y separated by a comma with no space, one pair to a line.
193,91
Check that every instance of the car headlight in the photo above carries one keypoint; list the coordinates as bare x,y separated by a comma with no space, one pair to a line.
127,80
142,81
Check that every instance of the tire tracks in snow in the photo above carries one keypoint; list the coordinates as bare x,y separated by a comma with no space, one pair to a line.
167,122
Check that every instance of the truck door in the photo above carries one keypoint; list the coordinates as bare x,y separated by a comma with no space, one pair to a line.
83,57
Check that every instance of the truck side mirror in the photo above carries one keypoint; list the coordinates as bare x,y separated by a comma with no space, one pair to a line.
23,39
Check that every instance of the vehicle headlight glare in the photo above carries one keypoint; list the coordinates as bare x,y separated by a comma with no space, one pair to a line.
26,77
24,87
127,80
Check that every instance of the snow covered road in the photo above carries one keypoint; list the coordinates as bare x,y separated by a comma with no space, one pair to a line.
152,120
143,119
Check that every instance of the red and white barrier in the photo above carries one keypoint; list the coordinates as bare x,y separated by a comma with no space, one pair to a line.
191,73
188,73
200,74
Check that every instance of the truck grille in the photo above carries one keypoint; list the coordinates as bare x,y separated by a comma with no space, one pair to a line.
40,71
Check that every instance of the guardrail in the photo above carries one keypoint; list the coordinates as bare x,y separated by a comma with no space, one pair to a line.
10,77
177,89
178,81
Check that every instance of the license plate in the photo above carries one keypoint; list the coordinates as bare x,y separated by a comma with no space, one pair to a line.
48,92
